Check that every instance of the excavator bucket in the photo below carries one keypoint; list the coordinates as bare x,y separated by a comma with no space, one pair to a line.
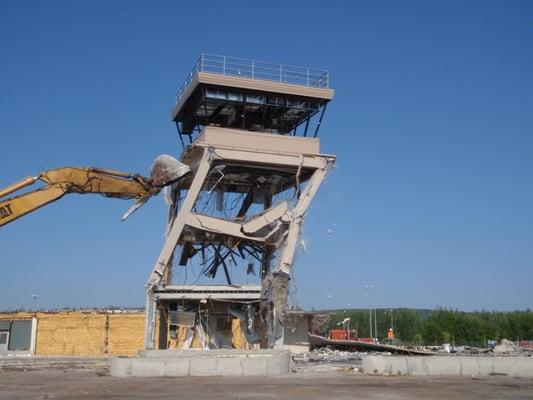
166,170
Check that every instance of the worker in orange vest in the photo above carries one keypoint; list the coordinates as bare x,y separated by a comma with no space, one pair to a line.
390,334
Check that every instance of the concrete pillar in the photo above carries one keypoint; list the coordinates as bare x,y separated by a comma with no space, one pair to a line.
33,338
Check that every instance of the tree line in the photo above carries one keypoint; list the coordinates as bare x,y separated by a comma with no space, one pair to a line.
442,325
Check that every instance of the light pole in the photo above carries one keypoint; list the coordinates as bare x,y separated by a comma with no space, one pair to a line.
35,297
370,287
375,319
391,320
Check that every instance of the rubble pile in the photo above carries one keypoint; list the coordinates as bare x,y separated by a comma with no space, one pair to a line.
505,347
447,348
511,348
30,363
326,355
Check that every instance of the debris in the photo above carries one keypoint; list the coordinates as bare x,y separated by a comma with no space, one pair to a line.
250,270
506,347
182,318
166,170
325,354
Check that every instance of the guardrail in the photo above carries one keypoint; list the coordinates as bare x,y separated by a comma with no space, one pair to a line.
257,70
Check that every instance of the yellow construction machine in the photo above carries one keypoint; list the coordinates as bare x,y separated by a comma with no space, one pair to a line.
109,183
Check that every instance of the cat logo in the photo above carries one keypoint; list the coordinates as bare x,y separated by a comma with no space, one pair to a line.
5,211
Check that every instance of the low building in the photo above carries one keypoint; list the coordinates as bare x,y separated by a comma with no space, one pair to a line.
71,333
113,333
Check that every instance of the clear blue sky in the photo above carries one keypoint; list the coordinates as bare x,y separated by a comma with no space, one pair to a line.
432,123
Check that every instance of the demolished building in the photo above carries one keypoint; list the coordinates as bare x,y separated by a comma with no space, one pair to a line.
250,135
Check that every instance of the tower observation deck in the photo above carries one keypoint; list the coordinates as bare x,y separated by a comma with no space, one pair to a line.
251,95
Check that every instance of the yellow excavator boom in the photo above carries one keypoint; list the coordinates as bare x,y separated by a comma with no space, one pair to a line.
107,182
62,181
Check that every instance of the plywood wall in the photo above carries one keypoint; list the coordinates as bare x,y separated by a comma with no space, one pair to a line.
76,333
70,334
126,334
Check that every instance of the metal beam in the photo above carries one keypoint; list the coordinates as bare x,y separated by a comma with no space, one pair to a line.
320,120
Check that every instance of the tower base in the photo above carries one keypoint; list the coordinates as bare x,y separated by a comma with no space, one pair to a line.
173,363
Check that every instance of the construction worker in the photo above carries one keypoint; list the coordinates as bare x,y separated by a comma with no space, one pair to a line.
390,334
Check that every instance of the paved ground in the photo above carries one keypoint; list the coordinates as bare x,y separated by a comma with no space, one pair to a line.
323,382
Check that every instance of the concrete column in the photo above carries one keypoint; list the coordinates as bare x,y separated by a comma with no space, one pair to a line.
33,338
149,319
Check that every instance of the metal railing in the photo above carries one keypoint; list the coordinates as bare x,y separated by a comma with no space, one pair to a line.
257,70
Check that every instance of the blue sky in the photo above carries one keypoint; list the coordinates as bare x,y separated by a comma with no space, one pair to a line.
432,123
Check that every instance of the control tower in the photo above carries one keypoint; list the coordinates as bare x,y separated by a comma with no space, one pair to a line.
249,132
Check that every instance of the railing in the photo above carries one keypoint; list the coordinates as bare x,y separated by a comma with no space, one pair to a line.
257,70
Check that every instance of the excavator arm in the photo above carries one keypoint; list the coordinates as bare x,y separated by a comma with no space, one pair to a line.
109,183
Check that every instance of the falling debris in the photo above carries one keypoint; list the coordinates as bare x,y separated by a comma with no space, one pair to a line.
250,270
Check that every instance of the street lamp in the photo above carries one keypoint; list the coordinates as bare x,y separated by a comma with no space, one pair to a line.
370,286
375,319
391,320
35,297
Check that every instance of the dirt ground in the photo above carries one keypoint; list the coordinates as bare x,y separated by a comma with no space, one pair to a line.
92,381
